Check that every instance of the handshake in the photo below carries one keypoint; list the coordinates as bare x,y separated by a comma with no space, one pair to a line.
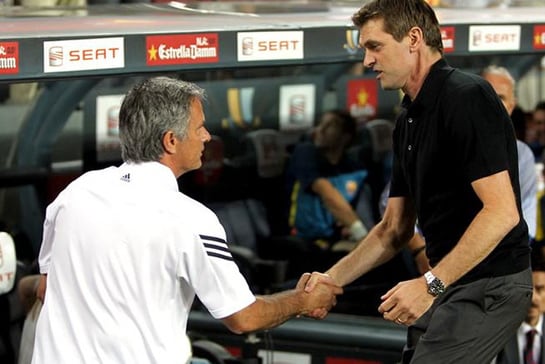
318,294
313,296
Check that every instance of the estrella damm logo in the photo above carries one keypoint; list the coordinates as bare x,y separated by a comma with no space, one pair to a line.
9,57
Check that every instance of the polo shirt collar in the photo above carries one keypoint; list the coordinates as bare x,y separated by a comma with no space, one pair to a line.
428,94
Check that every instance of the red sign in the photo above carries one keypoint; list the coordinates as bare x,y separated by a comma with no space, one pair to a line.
539,37
9,57
182,49
447,35
362,98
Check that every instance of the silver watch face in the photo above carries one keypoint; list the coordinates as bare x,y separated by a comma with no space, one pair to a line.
436,287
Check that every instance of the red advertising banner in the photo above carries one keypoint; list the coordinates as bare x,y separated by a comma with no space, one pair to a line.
539,37
9,57
362,98
182,49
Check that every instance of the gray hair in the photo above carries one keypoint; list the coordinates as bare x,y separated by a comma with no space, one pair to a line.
499,71
150,109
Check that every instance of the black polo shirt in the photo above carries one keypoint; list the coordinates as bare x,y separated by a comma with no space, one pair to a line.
455,132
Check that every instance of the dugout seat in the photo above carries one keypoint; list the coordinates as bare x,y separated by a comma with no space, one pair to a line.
246,227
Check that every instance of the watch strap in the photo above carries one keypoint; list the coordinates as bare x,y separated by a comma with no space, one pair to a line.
436,287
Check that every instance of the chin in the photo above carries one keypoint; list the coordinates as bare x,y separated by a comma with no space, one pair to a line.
533,314
386,86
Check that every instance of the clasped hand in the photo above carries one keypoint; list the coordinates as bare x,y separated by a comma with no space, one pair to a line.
403,304
322,297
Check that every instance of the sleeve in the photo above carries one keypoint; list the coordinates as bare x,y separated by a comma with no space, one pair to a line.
50,221
528,186
209,268
479,132
398,184
44,257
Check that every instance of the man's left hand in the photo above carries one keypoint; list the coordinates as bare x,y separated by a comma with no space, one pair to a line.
406,302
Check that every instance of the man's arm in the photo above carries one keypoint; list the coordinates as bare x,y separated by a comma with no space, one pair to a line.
408,300
496,219
417,247
42,287
272,310
383,242
27,291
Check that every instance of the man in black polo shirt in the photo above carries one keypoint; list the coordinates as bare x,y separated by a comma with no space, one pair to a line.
455,168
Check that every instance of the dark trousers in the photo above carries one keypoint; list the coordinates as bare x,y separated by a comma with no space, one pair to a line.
471,322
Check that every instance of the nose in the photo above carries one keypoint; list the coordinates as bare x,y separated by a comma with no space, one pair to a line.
535,297
206,137
368,60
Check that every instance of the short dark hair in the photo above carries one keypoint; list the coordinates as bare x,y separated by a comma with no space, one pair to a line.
540,105
400,16
343,121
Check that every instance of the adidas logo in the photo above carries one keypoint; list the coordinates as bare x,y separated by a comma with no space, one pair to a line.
126,177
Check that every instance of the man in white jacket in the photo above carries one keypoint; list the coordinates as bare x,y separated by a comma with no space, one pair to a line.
124,252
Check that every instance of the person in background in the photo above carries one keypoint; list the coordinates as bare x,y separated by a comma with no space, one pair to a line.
536,131
455,169
323,185
504,84
32,306
527,346
518,117
539,119
124,252
324,181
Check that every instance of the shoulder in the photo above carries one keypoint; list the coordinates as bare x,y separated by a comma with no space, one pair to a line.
200,217
462,83
468,96
94,176
196,209
184,213
90,179
304,148
304,156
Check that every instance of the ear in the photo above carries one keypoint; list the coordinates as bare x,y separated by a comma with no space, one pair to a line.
415,38
169,142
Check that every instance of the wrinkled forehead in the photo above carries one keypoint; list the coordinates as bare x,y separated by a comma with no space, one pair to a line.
371,29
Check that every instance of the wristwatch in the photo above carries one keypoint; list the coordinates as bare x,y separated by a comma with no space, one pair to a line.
435,286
